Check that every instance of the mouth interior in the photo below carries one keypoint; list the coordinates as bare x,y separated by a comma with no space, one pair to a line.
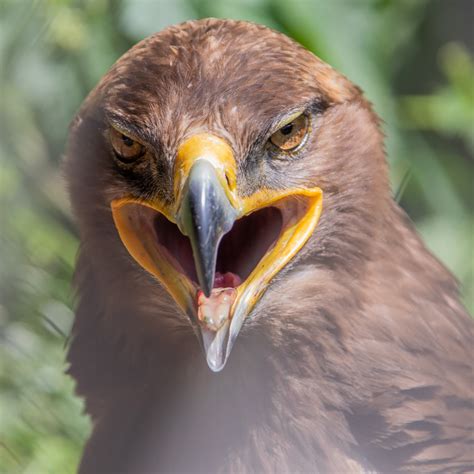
240,250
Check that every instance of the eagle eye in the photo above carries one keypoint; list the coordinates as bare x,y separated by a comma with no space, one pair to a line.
126,149
291,135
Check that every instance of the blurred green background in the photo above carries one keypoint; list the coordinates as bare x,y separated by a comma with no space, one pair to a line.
412,58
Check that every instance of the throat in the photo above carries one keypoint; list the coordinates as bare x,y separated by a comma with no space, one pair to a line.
227,280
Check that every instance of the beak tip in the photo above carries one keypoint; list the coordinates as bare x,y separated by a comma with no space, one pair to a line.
215,346
214,365
207,285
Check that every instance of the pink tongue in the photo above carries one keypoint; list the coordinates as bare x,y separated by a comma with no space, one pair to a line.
214,311
226,280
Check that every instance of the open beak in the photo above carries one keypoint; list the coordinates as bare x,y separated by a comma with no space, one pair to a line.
214,251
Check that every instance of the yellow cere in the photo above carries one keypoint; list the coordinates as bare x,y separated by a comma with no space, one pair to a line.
218,152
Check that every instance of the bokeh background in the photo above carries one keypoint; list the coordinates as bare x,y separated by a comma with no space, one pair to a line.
413,58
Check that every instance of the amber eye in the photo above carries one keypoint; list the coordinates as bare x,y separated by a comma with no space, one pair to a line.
126,148
291,136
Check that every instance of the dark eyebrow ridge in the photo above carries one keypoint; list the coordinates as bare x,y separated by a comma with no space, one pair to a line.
127,127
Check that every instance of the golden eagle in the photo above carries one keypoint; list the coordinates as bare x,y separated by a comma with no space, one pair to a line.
226,182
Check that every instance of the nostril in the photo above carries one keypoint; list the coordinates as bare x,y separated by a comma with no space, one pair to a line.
227,179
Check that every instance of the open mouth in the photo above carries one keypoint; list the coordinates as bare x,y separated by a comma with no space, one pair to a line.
239,252
256,247
253,249
213,250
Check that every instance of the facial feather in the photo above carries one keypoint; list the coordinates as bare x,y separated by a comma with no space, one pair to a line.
357,342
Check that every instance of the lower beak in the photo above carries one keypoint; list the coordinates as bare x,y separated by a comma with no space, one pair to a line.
249,240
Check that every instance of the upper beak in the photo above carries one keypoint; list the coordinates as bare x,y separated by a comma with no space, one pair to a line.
206,207
205,215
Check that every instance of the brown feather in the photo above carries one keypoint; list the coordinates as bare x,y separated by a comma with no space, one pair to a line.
358,356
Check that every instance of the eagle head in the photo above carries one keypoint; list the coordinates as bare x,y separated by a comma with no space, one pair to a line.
213,163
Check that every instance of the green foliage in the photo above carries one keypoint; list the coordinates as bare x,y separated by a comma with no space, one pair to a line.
52,52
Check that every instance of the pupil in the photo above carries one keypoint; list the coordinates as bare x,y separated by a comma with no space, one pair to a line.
287,129
127,140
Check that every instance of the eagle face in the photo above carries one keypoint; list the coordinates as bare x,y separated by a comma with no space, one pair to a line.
210,153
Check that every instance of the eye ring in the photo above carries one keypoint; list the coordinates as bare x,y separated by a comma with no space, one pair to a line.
292,135
127,150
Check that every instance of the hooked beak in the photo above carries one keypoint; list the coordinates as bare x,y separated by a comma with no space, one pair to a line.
205,215
214,251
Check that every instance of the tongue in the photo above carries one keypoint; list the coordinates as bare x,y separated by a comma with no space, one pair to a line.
214,311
